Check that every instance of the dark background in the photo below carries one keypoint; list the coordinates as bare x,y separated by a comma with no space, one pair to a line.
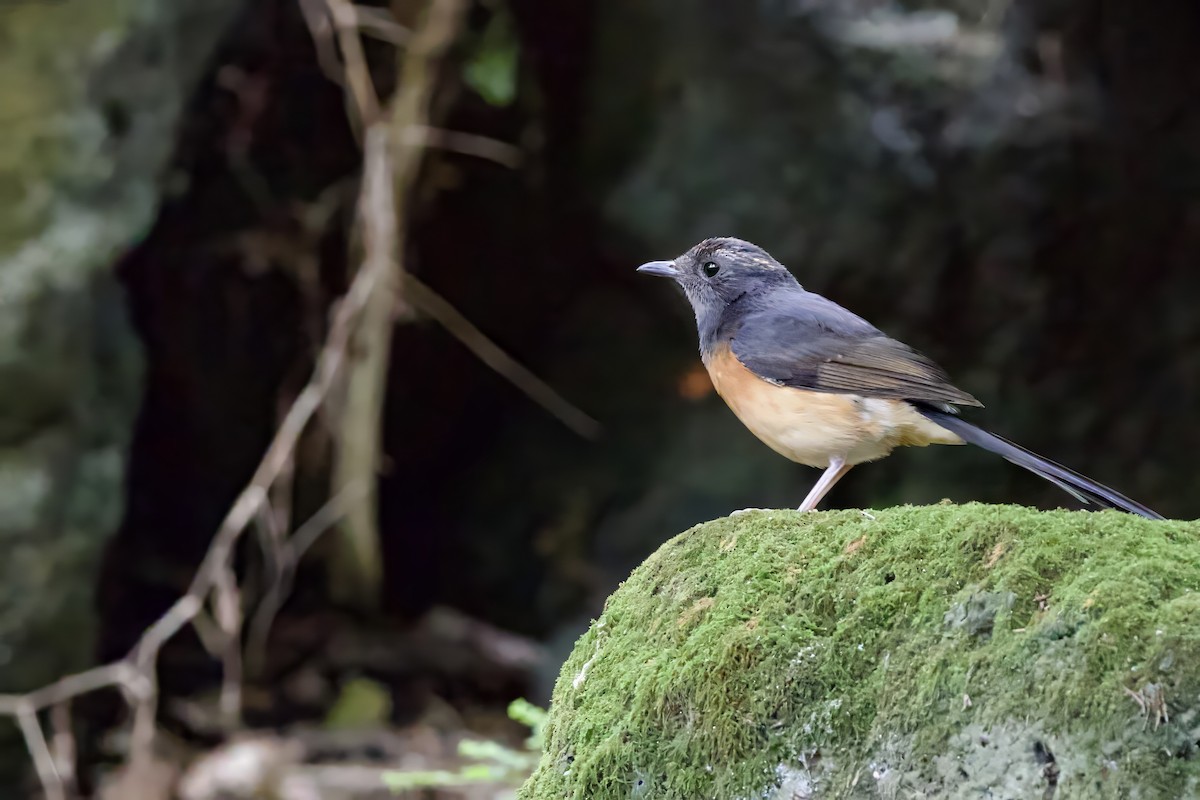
1011,187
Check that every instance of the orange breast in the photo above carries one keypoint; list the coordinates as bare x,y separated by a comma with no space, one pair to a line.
812,427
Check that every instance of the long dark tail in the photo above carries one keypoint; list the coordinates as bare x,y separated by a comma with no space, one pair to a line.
1081,487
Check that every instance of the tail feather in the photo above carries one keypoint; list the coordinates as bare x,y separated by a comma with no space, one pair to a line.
1080,486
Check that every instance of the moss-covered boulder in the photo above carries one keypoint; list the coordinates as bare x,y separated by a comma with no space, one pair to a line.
947,651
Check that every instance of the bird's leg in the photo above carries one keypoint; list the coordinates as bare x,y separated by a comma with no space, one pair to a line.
832,474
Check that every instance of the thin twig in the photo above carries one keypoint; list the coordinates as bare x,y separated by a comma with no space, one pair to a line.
136,674
380,24
470,144
410,108
325,518
320,27
209,633
120,673
274,518
327,19
491,354
248,503
277,562
357,73
409,111
227,608
289,557
35,740
390,167
62,744
329,364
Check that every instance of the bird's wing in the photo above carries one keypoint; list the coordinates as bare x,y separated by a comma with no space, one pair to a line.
807,342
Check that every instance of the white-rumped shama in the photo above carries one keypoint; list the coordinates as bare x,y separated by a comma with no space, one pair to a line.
822,386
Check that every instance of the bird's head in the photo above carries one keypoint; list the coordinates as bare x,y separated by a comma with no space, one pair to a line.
718,272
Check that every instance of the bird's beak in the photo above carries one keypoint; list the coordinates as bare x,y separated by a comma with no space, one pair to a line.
663,269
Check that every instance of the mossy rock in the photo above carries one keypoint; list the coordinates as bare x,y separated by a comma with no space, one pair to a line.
946,651
92,93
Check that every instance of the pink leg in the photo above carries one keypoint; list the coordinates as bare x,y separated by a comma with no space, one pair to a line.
832,474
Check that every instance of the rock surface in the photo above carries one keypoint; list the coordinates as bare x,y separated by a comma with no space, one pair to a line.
91,96
938,652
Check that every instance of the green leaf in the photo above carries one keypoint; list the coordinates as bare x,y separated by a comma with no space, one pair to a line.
492,69
494,751
526,713
361,703
419,779
483,773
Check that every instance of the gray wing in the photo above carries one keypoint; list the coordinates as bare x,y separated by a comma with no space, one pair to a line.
807,342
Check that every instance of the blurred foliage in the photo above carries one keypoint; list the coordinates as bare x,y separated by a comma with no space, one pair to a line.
361,703
489,761
491,70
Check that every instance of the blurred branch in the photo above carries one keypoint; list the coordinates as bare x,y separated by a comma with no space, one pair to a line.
495,357
380,24
320,27
288,557
357,74
411,133
331,21
390,167
470,144
35,740
136,673
62,745
356,565
120,673
227,607
393,148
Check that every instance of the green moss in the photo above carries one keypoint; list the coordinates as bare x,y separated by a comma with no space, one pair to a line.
46,52
90,97
946,651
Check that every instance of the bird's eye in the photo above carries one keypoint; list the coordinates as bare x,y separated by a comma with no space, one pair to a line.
711,268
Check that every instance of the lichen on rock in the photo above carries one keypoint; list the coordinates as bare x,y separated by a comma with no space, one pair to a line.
91,94
945,651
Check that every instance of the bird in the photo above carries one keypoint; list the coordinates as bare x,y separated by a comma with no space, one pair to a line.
823,387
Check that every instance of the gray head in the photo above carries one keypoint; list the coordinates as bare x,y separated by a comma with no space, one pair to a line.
717,273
